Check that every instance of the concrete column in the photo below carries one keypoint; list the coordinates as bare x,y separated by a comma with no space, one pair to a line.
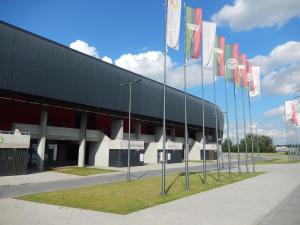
117,129
158,134
42,141
199,136
82,144
137,129
173,134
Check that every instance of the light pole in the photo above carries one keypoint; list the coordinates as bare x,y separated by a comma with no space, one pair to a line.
129,120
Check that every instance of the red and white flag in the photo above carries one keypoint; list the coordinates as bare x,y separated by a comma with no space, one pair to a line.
255,83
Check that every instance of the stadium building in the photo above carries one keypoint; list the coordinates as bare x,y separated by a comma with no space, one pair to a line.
63,107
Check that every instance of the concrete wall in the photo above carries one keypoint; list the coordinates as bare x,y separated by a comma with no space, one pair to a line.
99,151
14,141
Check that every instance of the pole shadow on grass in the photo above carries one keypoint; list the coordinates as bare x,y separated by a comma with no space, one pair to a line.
212,176
173,182
201,178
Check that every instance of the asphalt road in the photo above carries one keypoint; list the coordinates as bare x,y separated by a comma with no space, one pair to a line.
23,189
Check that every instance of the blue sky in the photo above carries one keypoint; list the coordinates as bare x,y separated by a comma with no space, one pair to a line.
130,33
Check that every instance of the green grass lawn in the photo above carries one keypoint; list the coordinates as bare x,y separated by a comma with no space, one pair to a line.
278,161
127,197
81,171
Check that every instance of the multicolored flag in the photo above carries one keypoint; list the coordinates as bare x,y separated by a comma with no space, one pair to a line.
208,35
242,69
173,23
294,114
250,76
290,109
193,32
231,62
236,69
219,67
227,58
256,82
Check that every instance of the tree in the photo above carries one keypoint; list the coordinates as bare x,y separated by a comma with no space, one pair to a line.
265,143
225,145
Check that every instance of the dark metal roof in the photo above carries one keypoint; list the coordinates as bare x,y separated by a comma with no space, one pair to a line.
31,64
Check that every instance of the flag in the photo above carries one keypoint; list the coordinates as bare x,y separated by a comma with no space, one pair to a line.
236,69
288,110
231,62
228,56
173,23
193,32
242,69
256,82
208,35
218,65
294,114
298,120
250,76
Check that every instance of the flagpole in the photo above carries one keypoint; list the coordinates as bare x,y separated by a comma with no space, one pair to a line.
186,152
163,181
257,142
236,130
227,122
252,145
217,135
286,133
245,133
203,112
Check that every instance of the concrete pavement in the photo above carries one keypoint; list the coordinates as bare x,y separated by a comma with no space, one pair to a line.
286,213
244,203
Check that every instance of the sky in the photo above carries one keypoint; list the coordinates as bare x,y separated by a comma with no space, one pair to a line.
130,34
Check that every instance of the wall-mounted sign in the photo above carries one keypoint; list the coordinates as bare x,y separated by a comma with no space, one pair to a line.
1,140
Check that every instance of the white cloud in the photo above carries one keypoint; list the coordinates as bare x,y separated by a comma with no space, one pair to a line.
285,81
83,47
148,64
151,64
280,69
274,111
107,59
248,14
281,55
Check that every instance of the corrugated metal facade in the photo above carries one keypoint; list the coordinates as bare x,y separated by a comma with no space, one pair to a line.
36,66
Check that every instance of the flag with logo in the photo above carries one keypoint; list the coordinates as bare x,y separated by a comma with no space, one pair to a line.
173,23
256,82
218,65
228,56
208,35
236,67
231,63
250,76
193,32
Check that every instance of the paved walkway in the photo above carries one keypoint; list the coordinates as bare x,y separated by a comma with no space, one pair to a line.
286,213
244,203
